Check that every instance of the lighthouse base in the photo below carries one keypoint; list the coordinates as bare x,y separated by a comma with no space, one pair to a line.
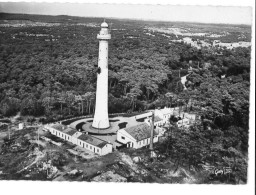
100,128
100,124
95,131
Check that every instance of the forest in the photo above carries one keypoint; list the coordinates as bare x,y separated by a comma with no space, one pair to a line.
51,71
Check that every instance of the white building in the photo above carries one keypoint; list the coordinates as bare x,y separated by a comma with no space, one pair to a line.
190,116
88,142
164,114
184,123
74,137
136,136
158,122
94,144
61,131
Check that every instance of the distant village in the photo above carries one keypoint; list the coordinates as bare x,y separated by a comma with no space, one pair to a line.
186,34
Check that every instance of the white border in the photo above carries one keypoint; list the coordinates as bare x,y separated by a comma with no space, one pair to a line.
153,2
71,188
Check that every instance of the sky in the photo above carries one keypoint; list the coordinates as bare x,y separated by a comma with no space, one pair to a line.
204,14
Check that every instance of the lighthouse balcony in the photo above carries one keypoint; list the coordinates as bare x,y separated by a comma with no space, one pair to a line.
106,36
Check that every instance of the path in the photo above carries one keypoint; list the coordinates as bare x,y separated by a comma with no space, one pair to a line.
73,124
183,81
38,157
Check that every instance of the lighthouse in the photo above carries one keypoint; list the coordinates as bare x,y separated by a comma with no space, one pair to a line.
100,120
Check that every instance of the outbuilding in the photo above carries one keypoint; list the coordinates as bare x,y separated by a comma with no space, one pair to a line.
94,144
88,142
136,136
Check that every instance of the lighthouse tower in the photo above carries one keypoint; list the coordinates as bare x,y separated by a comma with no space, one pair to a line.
100,120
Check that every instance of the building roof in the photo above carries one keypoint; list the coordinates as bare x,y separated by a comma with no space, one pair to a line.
140,132
58,127
167,111
64,129
71,132
157,119
77,134
144,115
182,120
93,140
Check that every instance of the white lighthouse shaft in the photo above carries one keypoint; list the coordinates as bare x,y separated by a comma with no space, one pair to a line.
100,120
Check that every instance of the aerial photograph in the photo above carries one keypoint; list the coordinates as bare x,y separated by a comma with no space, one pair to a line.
101,93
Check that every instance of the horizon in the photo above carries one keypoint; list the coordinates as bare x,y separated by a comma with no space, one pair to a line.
130,19
156,13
